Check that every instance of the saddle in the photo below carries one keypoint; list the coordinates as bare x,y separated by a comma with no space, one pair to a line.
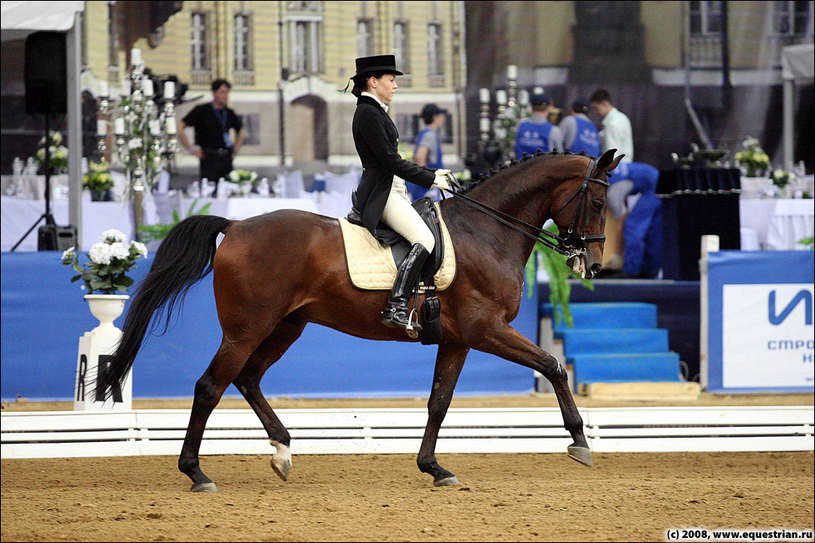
399,245
367,275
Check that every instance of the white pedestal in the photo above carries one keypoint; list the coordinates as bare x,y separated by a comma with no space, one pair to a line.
95,347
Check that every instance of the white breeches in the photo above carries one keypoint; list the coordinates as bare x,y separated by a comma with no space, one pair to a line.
400,215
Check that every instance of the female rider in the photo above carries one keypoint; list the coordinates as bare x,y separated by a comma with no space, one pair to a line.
379,196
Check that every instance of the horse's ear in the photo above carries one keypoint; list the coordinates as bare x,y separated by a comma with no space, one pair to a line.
607,162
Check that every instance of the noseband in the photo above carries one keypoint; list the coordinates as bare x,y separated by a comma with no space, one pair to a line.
570,245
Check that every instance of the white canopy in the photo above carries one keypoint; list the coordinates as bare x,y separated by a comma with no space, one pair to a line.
797,66
19,19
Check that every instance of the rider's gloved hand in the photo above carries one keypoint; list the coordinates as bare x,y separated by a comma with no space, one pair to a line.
441,181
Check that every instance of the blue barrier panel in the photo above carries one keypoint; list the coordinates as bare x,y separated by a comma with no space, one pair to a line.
44,314
760,321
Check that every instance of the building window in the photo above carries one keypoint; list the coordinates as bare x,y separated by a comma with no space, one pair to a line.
401,46
365,38
305,46
251,128
705,18
435,62
791,19
198,41
242,60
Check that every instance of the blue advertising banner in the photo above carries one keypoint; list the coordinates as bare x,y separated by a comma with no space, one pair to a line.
44,314
760,315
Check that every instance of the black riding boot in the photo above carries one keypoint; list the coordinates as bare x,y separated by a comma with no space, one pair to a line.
396,312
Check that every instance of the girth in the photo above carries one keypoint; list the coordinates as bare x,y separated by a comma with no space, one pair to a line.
399,245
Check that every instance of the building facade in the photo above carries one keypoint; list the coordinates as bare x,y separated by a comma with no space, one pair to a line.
298,54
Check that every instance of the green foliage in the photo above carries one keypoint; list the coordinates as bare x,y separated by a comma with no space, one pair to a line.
559,288
807,242
154,232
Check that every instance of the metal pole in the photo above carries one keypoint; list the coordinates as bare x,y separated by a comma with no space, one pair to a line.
283,77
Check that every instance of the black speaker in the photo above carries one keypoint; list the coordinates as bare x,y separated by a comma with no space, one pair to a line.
56,238
46,84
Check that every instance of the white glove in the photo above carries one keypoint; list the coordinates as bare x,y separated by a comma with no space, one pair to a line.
441,180
442,172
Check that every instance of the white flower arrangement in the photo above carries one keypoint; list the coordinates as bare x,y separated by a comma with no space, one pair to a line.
57,153
782,178
110,259
752,157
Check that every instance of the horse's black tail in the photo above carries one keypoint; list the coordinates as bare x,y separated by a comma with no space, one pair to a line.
183,258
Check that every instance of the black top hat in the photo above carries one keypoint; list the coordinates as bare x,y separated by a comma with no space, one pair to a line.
377,64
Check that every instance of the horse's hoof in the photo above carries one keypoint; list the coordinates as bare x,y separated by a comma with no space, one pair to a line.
281,466
204,487
447,481
581,454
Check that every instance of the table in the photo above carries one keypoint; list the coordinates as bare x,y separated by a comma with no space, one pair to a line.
779,223
18,215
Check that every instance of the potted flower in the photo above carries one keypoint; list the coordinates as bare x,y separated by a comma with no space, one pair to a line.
98,181
110,259
244,181
57,155
782,178
752,158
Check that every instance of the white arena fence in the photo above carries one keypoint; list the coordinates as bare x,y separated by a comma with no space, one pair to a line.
67,434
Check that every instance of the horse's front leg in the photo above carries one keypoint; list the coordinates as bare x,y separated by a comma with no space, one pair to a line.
449,362
504,341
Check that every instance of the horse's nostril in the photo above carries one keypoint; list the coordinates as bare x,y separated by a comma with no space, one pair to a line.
595,269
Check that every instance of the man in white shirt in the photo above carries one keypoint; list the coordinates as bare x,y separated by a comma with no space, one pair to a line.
616,132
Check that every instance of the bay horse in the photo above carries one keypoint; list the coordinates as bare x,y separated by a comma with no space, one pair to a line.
274,273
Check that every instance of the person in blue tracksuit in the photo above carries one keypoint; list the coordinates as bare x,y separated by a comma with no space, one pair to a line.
536,132
427,151
642,224
579,133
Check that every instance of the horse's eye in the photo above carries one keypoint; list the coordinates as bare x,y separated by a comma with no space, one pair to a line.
597,204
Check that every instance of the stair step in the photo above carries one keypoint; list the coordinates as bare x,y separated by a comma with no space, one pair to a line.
614,340
615,368
607,315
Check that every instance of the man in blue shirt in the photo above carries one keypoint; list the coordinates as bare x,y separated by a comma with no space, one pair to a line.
536,132
427,151
579,133
642,224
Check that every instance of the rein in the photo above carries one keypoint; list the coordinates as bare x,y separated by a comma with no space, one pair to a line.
569,245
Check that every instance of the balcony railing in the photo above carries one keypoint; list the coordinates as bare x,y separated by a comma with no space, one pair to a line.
705,51
201,77
244,78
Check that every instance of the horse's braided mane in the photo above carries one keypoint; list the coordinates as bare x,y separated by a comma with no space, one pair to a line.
512,163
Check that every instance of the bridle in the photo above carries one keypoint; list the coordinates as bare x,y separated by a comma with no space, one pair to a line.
573,243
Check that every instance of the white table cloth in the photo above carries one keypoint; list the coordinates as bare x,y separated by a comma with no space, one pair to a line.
779,223
18,215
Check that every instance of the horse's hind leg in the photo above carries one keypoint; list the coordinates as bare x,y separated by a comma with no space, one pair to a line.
225,366
449,362
504,341
248,383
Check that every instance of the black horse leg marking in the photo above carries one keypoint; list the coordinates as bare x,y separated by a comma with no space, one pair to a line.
449,361
223,369
248,383
511,345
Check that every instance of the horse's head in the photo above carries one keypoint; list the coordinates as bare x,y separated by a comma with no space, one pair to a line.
579,211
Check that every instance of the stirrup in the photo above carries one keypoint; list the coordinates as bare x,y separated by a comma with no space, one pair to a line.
411,329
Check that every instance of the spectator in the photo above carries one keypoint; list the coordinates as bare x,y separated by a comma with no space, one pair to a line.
579,133
616,131
536,132
427,151
640,229
213,143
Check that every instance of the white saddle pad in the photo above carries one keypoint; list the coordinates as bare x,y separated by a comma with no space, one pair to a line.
371,265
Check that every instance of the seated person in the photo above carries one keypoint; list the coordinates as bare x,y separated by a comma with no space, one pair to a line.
640,228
